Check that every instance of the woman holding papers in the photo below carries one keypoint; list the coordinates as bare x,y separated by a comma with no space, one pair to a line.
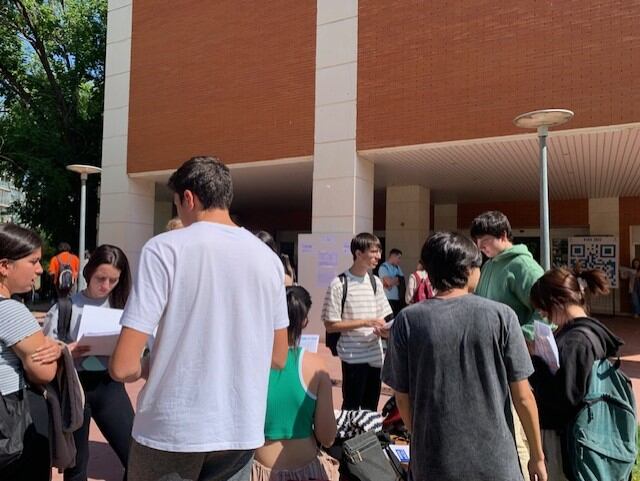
24,352
108,285
560,296
299,410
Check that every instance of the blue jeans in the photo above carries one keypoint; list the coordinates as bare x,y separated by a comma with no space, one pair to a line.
635,301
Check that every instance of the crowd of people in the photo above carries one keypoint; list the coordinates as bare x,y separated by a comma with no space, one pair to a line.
213,322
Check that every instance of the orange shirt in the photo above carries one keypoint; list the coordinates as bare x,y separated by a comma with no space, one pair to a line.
65,258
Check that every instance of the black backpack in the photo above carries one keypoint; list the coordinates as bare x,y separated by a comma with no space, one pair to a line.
65,277
64,319
331,338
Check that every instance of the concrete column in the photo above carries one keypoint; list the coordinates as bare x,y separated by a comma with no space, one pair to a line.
407,222
342,181
604,216
126,205
604,219
445,217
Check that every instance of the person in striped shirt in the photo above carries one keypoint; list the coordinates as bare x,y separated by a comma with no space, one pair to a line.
361,321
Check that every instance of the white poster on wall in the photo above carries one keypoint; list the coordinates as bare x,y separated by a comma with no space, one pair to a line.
596,253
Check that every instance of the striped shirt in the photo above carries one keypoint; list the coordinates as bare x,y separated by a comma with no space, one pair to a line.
358,346
16,324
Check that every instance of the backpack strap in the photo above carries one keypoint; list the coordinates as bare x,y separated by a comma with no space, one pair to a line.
64,318
596,342
343,281
374,284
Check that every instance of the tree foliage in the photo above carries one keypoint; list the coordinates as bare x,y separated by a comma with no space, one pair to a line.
52,56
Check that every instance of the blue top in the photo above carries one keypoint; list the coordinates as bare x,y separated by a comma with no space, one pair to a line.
389,270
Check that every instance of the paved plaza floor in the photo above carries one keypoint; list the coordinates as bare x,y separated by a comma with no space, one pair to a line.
104,464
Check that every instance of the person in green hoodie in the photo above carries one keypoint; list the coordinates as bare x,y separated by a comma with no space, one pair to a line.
507,277
511,270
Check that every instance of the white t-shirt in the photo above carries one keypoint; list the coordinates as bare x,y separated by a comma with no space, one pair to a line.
216,294
358,346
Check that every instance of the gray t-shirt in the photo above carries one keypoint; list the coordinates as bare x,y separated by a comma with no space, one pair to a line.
50,328
455,358
16,324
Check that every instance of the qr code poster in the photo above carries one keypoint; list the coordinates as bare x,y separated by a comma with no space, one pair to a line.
595,253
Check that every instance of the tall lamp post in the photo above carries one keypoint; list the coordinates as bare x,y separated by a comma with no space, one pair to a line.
542,120
84,171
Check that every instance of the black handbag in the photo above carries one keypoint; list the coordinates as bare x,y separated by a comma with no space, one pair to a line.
14,419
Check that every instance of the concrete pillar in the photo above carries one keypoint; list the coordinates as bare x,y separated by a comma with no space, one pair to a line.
342,181
604,219
126,205
407,222
445,217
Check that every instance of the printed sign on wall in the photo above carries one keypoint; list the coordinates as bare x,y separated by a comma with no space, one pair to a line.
595,253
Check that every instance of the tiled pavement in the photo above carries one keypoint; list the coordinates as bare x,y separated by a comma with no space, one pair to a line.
104,465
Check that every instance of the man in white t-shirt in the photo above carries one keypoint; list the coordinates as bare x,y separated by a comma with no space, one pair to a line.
216,295
360,320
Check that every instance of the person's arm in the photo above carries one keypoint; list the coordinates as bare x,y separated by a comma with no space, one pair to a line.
125,364
324,426
342,326
386,277
38,371
525,405
280,349
412,285
404,407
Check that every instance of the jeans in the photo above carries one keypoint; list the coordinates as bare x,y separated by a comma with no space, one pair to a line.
148,464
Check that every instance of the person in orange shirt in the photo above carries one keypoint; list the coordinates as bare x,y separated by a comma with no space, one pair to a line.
59,265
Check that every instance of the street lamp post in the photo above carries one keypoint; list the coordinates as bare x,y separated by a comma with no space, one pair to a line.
84,171
542,120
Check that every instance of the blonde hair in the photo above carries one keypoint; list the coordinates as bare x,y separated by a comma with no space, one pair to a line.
174,223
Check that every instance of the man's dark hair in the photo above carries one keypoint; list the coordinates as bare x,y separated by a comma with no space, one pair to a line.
493,223
448,257
64,247
207,178
363,242
395,251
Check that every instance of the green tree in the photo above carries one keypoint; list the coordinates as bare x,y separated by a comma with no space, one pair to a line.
52,56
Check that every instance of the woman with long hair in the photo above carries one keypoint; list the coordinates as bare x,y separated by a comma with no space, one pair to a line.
24,352
108,280
299,410
560,295
634,286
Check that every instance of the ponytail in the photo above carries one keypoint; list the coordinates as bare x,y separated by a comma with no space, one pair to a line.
559,288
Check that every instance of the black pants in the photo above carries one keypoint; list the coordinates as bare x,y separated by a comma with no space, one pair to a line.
107,402
396,306
33,464
360,386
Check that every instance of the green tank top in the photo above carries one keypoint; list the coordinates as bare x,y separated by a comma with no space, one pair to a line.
290,406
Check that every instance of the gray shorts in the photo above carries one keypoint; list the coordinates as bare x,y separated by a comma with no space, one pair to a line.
148,464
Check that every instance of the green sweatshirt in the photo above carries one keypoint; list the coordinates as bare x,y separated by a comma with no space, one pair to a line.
508,278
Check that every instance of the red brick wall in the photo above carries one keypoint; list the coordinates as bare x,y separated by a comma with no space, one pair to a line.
562,213
231,77
439,71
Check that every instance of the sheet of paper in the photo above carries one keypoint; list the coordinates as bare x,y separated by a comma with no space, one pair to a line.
401,451
100,344
97,320
388,325
545,346
310,342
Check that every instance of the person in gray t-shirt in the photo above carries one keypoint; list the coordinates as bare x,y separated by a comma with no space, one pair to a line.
454,361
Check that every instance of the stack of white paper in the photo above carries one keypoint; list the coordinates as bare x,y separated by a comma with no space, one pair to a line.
99,329
310,342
